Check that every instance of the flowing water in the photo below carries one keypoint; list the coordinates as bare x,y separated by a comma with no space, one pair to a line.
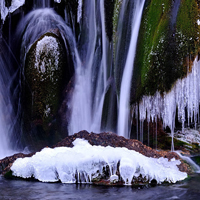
18,190
124,109
93,63
87,100
7,116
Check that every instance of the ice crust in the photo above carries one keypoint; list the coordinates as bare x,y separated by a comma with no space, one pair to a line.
84,162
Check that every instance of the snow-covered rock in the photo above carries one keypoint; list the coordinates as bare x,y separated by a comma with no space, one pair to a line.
85,162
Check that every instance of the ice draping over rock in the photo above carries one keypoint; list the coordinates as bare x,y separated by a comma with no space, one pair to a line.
84,162
15,4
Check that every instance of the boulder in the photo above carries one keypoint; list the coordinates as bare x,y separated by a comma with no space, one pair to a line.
104,139
43,81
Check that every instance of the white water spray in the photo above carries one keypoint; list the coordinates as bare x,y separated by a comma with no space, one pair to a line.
124,110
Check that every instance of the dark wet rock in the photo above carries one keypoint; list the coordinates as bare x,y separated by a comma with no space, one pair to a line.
109,113
43,82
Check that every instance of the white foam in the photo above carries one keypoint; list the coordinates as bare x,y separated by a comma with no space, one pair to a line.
84,162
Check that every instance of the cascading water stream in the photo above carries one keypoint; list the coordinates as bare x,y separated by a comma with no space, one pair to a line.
124,110
90,73
7,117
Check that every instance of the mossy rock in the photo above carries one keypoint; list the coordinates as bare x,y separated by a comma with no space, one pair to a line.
168,43
44,78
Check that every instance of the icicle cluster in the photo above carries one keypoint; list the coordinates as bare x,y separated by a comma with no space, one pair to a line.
184,96
85,162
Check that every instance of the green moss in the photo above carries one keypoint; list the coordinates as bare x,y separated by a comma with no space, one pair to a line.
9,175
115,18
165,46
151,47
187,30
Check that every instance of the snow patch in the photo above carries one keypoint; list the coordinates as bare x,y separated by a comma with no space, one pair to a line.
15,4
189,136
47,54
84,162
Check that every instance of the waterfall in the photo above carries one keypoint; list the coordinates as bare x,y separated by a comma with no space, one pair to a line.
90,72
124,109
102,67
7,116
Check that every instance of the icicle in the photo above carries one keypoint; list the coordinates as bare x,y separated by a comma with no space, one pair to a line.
185,95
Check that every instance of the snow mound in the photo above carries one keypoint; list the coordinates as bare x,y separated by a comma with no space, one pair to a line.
84,162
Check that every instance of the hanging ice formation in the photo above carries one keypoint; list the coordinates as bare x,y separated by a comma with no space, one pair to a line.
183,97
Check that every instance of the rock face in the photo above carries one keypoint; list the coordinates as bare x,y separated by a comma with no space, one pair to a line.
103,139
168,43
44,73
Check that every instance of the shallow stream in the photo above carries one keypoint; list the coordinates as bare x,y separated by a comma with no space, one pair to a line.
18,189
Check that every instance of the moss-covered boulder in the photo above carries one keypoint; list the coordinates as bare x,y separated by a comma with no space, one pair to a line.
43,81
168,42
